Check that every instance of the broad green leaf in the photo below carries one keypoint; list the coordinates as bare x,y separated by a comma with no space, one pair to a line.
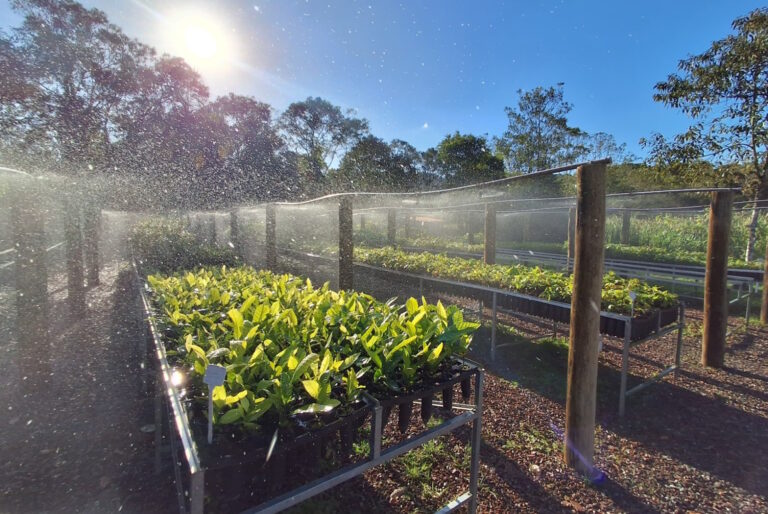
318,408
434,355
231,416
412,305
237,322
236,398
312,387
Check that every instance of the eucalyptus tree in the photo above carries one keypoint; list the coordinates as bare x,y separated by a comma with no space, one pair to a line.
320,131
538,135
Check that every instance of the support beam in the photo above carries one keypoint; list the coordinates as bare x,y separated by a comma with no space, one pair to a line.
346,246
212,228
523,219
489,249
391,227
581,394
764,304
571,235
31,271
234,234
716,280
270,240
625,226
408,226
74,242
92,235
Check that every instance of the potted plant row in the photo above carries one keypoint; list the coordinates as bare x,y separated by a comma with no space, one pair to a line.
298,359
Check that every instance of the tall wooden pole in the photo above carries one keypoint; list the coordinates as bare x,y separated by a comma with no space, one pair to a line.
212,227
74,242
625,226
391,226
716,280
571,234
269,237
31,271
92,233
489,248
346,246
234,234
764,304
581,394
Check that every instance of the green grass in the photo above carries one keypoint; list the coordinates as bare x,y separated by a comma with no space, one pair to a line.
529,438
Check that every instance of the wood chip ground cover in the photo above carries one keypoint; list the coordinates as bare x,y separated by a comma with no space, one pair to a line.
694,443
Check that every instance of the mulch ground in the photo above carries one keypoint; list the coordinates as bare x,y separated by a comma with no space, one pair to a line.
72,438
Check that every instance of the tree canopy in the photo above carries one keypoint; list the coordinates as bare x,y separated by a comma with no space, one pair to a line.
724,91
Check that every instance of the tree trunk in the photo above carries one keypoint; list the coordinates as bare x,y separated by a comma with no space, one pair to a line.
752,232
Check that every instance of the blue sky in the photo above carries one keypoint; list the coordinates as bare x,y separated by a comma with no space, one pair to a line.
421,70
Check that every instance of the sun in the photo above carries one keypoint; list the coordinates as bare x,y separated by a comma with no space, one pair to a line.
201,39
200,42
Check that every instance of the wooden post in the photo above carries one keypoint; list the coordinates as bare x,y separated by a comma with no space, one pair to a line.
346,246
234,234
571,235
75,274
91,233
716,280
212,227
408,222
270,240
764,304
391,227
581,394
489,249
31,271
525,227
625,215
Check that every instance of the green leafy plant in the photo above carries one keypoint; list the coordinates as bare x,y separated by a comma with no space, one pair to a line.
293,350
165,245
532,281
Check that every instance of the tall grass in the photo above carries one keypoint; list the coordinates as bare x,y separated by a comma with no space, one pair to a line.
678,233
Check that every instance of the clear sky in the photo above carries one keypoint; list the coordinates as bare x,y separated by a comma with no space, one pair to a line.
420,70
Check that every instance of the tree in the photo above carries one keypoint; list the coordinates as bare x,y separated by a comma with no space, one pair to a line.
538,136
464,159
73,71
725,92
319,131
374,165
238,151
601,145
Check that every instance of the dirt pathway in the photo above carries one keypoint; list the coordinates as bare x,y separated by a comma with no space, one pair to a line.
74,409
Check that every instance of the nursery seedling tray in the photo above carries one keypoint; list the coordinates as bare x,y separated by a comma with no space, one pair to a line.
610,323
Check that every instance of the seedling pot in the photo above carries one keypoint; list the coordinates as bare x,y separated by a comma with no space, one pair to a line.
466,386
448,398
404,416
426,408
